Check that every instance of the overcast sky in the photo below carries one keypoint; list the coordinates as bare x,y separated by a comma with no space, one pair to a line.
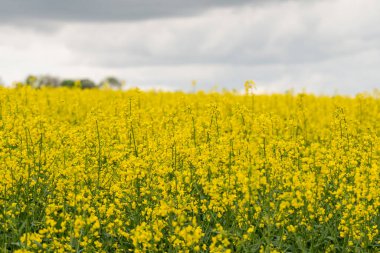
325,46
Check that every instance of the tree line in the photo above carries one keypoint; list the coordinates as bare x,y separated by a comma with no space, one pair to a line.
51,81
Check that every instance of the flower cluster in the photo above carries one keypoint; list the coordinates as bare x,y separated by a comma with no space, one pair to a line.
119,171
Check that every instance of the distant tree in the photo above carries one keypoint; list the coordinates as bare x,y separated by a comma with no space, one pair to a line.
68,83
32,81
87,84
83,83
48,81
51,81
1,82
112,82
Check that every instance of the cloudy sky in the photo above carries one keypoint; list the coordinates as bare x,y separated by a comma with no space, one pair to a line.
324,46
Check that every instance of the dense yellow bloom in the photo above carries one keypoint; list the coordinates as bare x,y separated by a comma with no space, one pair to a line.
133,171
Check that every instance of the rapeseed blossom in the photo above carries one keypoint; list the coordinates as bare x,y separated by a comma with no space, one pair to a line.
119,171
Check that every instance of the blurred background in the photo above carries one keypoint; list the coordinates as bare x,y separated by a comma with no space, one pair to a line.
324,47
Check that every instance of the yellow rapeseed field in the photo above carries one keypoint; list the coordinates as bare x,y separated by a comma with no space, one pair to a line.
133,171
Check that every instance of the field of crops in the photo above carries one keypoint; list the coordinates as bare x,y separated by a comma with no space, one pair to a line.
112,171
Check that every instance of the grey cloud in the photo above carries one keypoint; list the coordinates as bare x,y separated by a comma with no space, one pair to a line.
23,11
246,36
320,45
